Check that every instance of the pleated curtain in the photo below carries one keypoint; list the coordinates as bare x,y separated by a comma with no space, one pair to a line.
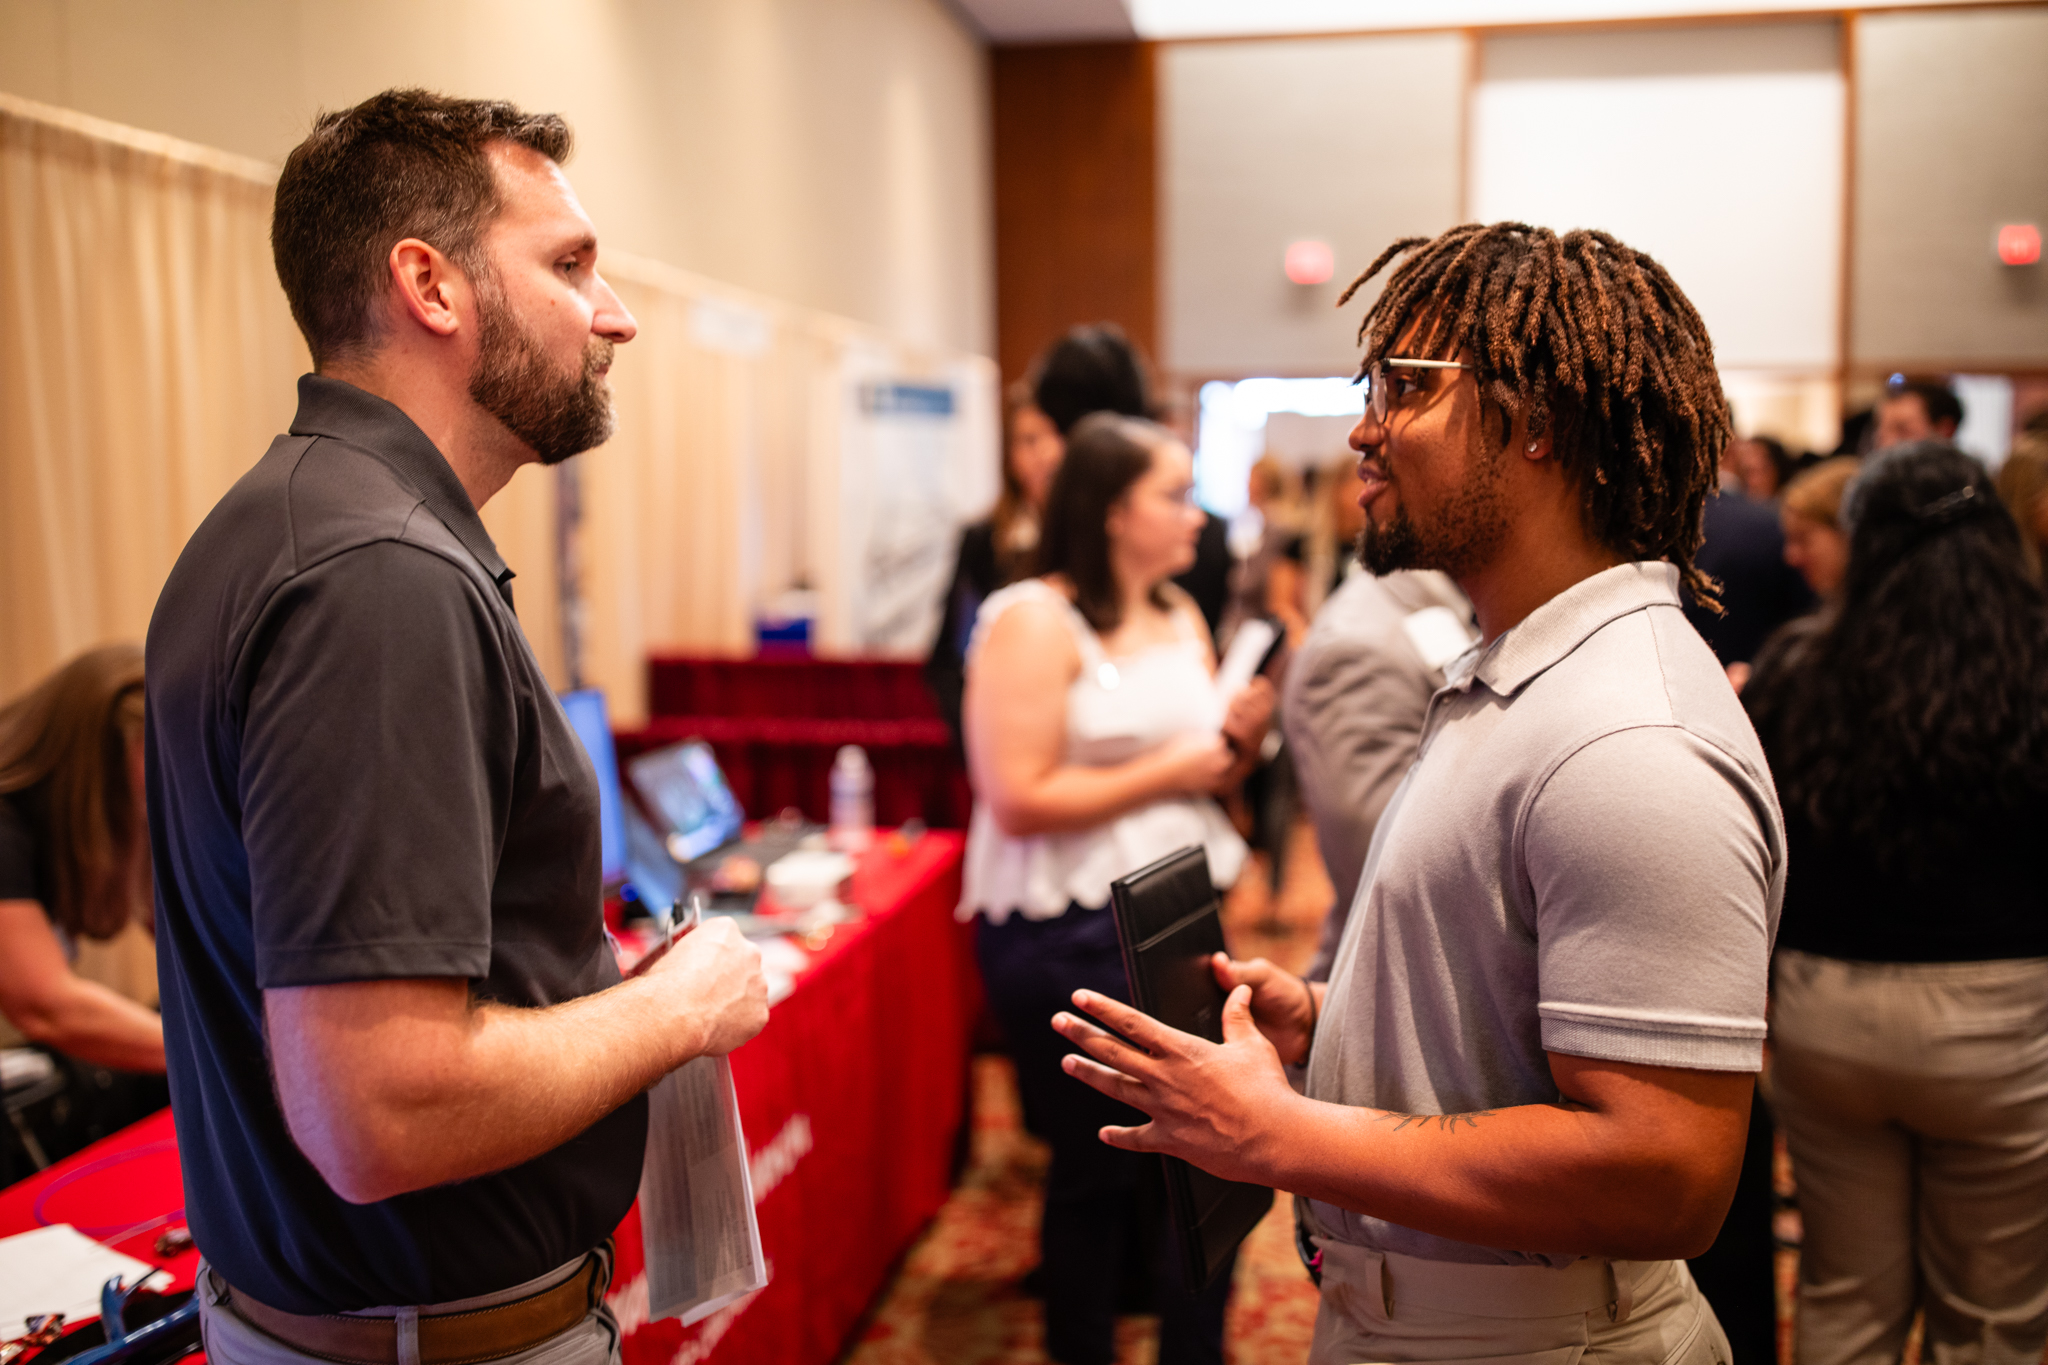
146,359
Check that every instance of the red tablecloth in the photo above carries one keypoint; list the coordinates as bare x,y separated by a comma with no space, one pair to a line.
853,1099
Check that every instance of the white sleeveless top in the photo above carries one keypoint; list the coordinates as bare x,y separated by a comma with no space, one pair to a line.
1116,710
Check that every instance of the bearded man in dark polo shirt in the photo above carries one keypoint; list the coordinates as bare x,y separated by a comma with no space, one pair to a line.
1530,1072
406,1074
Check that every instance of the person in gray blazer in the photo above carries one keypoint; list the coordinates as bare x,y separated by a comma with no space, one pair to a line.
1352,712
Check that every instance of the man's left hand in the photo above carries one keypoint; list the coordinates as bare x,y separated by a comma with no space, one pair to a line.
1248,716
1215,1105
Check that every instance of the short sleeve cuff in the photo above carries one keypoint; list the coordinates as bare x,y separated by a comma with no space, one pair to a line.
1693,1044
413,958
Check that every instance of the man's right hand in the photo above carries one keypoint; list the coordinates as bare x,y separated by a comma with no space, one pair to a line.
1283,1005
714,976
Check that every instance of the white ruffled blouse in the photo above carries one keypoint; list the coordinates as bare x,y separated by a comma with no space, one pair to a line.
1117,710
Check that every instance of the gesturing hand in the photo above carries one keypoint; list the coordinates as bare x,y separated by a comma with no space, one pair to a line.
1216,1105
1283,1005
1249,714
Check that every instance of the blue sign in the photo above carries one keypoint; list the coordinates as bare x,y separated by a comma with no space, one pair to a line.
906,400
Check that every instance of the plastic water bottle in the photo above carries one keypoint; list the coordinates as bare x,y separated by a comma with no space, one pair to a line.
853,800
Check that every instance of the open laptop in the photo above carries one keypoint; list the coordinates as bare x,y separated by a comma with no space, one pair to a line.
691,826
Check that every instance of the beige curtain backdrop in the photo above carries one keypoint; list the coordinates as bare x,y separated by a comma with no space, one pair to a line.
147,358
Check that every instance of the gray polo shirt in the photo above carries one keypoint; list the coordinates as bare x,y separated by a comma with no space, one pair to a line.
1586,858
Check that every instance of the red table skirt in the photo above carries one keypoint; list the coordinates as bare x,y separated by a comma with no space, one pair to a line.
853,1100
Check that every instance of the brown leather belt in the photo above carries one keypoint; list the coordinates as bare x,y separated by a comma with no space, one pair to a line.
463,1338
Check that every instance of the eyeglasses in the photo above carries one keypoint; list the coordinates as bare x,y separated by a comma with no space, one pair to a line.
1377,397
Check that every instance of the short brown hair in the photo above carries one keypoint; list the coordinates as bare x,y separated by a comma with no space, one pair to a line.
2023,482
406,163
64,760
1817,493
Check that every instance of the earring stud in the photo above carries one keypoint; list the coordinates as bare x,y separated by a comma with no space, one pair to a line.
1532,447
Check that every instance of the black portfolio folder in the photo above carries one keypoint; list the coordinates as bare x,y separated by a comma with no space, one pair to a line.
1168,924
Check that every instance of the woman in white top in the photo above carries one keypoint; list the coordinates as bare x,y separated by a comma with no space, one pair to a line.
1096,742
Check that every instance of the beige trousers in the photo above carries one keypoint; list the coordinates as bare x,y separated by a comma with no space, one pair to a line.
1380,1307
1914,1099
230,1339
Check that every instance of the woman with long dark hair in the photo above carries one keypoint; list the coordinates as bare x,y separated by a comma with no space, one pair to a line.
1907,729
1096,741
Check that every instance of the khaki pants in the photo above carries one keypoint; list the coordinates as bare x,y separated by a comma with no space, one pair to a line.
1914,1098
1379,1307
229,1339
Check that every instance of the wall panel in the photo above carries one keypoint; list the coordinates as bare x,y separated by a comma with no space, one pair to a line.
1718,150
1951,141
1353,141
1075,201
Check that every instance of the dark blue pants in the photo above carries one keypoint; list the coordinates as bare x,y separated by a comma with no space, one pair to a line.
1104,1207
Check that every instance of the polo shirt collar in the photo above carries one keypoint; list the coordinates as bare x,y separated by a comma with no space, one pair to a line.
1552,631
332,407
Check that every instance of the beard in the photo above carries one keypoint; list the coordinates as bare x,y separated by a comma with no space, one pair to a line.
1462,535
556,414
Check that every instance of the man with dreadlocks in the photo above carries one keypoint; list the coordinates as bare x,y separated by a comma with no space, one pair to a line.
1529,1075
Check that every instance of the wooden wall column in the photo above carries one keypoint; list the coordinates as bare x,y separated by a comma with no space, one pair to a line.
1076,169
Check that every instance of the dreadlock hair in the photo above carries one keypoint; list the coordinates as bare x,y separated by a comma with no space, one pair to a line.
1587,335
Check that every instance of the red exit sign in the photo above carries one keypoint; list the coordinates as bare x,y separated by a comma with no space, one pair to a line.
2019,244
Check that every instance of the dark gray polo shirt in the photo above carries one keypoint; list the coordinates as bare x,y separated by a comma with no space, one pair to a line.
358,772
1586,858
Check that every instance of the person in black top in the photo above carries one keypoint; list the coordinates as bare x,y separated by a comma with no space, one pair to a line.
999,549
404,1068
1907,730
1744,551
74,863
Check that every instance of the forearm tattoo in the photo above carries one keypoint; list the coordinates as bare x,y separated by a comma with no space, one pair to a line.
1445,1123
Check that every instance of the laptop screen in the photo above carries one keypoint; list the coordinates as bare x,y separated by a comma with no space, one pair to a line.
586,713
685,790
